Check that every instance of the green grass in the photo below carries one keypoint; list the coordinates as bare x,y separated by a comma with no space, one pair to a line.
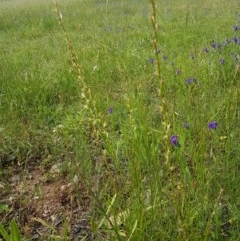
167,192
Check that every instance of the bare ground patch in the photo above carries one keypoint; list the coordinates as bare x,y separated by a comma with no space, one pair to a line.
44,208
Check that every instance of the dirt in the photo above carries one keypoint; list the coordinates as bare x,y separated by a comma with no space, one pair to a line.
44,208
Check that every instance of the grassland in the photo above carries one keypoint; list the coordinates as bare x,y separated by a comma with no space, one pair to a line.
103,136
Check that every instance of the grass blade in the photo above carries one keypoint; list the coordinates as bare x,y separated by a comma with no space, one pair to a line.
15,234
4,233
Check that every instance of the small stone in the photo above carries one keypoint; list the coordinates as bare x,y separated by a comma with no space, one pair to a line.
14,178
75,179
56,168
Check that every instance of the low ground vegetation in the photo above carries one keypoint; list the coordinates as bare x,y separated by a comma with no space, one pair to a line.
114,129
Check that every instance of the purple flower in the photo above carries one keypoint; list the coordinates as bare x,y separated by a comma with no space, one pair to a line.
214,45
164,57
186,125
213,125
236,58
174,140
222,61
236,28
151,61
188,81
206,50
235,40
110,110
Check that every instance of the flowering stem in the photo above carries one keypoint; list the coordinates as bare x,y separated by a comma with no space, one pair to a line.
155,44
163,107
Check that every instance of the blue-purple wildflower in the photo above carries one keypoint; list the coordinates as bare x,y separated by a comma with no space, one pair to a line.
236,28
235,40
191,80
222,61
214,45
186,125
213,125
151,61
188,81
164,57
206,50
110,110
174,140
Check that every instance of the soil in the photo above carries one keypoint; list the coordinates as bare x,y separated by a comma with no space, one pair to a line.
45,208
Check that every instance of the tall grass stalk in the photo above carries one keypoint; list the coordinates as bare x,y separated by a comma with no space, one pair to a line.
162,99
98,131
